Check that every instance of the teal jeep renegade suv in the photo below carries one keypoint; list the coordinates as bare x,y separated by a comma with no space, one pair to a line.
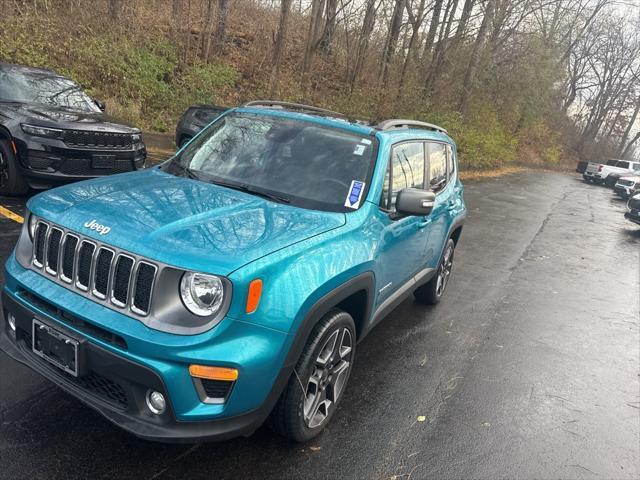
193,300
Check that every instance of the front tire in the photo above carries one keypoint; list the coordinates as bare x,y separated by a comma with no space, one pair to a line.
320,377
432,291
11,180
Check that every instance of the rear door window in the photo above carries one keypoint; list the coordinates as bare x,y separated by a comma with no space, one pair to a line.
623,164
437,166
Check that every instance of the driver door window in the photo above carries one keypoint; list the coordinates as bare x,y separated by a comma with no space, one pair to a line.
406,169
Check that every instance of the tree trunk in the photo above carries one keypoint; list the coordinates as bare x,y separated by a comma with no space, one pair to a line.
317,7
392,40
476,53
329,27
221,25
115,9
627,150
441,49
281,38
627,130
464,19
363,41
412,55
433,28
205,36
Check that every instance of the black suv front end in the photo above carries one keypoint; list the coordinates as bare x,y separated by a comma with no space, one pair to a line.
53,132
50,156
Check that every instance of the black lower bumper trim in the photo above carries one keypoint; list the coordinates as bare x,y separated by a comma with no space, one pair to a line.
632,218
134,379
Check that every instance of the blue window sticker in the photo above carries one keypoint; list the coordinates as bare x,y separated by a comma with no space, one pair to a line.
355,194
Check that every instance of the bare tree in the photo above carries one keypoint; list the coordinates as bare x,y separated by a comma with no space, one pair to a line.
474,61
280,41
392,40
221,25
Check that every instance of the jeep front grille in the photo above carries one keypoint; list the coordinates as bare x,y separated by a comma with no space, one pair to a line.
98,271
101,140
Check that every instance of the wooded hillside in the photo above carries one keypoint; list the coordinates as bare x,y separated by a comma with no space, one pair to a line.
541,81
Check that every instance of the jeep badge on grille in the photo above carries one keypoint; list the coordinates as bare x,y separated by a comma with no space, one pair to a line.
101,229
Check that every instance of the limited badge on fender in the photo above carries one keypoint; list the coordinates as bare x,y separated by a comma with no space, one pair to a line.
355,194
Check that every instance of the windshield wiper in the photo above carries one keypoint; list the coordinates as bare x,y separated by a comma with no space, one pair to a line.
260,193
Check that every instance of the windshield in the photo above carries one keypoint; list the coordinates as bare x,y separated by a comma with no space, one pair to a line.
292,161
44,88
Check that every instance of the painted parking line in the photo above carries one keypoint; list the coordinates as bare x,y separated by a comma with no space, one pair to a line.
10,215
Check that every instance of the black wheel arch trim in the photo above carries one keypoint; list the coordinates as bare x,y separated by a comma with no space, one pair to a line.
364,281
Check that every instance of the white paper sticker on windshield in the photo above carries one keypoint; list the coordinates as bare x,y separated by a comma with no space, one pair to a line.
355,194
366,141
359,150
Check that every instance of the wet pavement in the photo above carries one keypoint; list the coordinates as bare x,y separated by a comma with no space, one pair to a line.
529,367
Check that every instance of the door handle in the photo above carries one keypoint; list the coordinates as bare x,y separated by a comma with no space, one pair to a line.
451,206
424,223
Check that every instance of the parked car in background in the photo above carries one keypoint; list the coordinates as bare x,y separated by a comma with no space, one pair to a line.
608,173
581,166
627,186
52,132
192,300
195,119
633,209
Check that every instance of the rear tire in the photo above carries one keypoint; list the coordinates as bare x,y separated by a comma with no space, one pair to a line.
318,382
11,180
431,292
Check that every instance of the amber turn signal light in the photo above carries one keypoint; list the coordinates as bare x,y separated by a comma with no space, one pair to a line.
253,297
213,373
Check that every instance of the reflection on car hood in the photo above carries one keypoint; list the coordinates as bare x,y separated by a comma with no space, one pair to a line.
59,117
179,221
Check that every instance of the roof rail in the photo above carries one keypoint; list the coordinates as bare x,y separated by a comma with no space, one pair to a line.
294,106
396,123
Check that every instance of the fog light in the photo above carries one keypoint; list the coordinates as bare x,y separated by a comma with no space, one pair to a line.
156,402
12,321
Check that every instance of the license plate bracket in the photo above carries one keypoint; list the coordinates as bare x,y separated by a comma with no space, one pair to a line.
103,161
56,347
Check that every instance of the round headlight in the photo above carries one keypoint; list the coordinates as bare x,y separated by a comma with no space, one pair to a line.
33,223
136,138
202,294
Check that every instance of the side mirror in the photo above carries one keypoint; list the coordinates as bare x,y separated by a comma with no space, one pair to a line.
100,104
415,201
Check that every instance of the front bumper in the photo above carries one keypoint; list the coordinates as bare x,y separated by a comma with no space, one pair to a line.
119,373
625,192
49,162
633,216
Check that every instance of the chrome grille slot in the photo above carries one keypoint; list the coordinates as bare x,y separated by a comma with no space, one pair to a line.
85,259
69,247
143,288
102,272
40,244
53,250
121,280
95,270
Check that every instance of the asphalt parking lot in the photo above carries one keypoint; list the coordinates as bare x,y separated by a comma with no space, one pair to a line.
528,368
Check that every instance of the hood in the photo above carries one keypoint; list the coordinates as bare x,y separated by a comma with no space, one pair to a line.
179,221
633,178
61,117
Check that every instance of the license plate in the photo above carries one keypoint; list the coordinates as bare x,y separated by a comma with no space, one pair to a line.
55,347
103,161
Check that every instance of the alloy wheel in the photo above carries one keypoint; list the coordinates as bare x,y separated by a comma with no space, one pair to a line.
328,378
444,270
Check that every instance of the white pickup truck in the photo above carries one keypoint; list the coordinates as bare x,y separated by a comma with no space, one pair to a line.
609,173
